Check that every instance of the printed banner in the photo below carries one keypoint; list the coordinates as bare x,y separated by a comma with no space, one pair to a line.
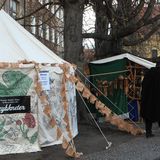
15,104
18,111
21,128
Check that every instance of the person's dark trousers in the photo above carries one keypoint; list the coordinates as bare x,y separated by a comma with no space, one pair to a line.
148,127
159,123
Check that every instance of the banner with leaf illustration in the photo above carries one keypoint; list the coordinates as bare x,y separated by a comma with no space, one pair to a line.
18,105
24,123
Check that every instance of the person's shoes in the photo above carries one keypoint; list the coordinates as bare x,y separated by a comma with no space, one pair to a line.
149,135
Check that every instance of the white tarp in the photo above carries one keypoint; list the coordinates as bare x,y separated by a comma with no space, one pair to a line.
132,58
48,135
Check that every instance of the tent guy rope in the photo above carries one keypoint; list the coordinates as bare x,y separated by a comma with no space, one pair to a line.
108,142
114,119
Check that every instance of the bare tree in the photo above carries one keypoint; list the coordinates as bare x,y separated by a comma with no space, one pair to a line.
120,23
73,15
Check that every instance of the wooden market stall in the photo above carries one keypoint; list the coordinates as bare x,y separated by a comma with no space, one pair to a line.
118,79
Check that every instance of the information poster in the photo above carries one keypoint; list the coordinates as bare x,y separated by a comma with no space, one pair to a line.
44,79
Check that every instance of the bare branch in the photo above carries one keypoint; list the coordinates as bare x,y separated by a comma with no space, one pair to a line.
49,18
153,20
137,10
140,40
3,4
97,36
37,10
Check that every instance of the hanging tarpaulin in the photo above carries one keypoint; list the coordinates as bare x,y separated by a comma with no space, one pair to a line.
37,108
108,78
57,116
18,111
53,90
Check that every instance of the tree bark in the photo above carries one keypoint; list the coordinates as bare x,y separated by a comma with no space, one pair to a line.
100,27
105,47
73,14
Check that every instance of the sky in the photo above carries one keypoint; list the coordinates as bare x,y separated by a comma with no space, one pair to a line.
88,26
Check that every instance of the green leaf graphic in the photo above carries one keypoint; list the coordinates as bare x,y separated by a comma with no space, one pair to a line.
2,125
34,138
15,83
2,134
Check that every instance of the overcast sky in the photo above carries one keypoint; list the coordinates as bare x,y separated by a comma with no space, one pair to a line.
88,26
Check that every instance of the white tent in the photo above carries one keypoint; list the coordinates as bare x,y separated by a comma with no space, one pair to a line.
18,44
48,113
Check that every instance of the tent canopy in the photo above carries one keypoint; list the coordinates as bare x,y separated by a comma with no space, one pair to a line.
18,44
105,73
138,60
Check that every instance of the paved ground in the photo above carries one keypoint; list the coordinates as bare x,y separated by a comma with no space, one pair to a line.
92,144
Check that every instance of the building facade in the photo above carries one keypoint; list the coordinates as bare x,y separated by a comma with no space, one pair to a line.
44,21
149,48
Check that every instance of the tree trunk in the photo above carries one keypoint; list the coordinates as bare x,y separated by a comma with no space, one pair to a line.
73,14
109,48
105,48
100,27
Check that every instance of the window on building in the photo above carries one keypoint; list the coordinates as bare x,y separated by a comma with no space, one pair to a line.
44,30
61,40
109,28
56,10
47,32
53,35
53,9
40,30
47,1
40,1
58,38
33,23
13,5
158,1
60,14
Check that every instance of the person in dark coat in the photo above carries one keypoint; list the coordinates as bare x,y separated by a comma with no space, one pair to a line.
150,99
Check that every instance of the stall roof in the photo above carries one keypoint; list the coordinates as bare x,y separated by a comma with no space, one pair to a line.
138,60
17,44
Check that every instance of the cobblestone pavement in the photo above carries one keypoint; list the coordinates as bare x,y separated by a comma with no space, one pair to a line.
92,144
